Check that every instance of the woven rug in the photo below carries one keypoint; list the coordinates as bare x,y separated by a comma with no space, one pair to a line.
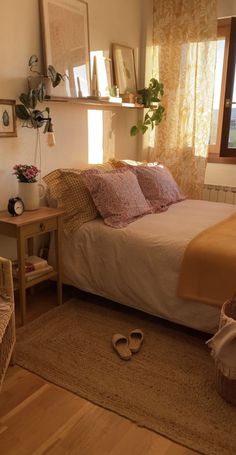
167,387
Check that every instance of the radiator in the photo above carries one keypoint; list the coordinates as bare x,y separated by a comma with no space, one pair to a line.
216,193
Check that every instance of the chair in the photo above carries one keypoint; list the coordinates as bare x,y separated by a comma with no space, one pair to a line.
7,317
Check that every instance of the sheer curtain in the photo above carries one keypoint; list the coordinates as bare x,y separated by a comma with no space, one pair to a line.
185,38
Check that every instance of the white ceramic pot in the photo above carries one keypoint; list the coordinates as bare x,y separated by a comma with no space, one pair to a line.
31,193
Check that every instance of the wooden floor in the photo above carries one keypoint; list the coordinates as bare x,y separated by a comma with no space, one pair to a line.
37,417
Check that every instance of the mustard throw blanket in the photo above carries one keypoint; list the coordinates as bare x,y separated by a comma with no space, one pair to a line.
208,271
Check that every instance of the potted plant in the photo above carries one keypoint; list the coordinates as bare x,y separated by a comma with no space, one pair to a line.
30,191
150,97
27,111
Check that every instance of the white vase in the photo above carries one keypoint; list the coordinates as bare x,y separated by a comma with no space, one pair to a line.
31,193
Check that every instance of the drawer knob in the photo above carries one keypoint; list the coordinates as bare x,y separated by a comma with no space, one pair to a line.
42,227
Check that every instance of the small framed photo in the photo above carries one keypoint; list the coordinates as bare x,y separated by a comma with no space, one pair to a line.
65,32
102,75
124,68
7,118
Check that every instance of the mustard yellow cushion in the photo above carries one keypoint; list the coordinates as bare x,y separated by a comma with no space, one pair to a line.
122,163
66,190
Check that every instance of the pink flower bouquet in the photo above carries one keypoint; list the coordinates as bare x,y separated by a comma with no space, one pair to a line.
26,173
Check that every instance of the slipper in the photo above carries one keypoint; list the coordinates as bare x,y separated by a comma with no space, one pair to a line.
121,345
135,340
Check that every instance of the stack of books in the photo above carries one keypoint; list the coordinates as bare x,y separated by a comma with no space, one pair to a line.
34,267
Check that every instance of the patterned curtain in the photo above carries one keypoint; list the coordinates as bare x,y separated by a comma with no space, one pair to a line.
185,40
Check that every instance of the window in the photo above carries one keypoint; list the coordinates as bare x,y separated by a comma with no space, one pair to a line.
222,146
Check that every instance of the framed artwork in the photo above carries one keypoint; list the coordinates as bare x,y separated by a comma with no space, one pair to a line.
7,118
101,74
65,33
124,68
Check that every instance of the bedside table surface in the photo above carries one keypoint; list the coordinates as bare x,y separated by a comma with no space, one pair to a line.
29,217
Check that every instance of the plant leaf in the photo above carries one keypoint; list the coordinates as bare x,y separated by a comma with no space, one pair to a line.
144,129
52,72
32,98
57,81
41,92
24,99
33,60
134,131
21,112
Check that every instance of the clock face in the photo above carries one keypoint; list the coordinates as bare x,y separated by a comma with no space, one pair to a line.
19,207
15,206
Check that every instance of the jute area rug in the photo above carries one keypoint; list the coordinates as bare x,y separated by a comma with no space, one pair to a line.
167,387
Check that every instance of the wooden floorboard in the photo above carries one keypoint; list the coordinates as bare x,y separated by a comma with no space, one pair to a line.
39,418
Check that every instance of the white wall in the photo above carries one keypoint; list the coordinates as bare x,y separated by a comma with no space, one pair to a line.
109,21
226,8
222,174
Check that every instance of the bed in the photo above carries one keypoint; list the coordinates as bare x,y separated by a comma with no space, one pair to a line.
139,265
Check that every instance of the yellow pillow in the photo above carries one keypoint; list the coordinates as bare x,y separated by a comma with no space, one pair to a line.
66,190
122,163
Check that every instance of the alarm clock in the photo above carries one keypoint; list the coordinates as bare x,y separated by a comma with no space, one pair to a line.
15,206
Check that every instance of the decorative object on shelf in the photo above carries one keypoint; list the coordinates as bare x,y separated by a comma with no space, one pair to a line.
65,34
124,68
15,206
94,83
150,97
30,191
114,91
129,98
32,117
101,74
7,118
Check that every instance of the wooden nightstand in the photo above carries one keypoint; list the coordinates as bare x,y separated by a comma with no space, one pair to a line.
25,227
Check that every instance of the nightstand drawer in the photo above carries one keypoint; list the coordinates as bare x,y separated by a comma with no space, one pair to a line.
39,227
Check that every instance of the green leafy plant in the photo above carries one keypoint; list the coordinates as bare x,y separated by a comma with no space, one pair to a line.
150,97
26,111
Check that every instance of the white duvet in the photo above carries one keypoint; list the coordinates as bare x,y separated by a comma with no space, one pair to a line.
139,265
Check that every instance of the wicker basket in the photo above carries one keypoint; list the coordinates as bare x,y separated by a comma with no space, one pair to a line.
226,387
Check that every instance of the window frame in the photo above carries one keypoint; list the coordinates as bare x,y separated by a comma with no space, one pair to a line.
220,152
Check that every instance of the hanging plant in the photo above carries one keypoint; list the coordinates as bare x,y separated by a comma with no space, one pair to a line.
150,97
33,118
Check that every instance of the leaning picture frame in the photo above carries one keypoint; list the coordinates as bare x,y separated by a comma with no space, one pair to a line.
7,118
124,68
101,83
65,33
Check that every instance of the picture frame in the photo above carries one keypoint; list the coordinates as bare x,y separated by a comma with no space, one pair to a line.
124,68
7,118
65,33
101,74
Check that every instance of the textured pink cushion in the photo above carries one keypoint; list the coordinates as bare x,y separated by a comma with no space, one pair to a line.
158,186
117,196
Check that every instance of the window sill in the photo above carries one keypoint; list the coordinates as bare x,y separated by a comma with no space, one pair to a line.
214,158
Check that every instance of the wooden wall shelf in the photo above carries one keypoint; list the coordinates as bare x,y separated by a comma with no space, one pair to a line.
93,102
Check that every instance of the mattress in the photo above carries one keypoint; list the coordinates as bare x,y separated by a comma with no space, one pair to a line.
139,265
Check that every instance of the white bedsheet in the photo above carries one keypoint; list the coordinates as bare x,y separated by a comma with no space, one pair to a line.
139,265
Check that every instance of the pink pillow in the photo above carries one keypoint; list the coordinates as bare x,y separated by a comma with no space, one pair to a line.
158,186
117,196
